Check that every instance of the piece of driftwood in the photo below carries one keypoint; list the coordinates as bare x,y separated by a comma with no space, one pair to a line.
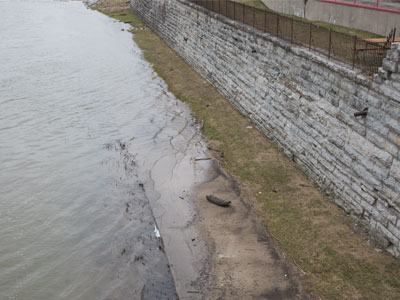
218,201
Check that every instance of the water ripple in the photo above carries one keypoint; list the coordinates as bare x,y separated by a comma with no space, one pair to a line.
74,223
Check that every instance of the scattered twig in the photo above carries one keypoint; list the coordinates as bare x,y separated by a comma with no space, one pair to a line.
205,158
202,124
142,292
301,270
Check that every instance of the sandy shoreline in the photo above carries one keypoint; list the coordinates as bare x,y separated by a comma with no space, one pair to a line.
215,252
244,261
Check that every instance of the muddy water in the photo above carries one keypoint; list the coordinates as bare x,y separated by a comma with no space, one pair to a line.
96,159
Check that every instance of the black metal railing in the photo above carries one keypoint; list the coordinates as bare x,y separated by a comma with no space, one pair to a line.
351,49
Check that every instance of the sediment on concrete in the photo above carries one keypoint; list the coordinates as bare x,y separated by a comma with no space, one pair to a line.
305,104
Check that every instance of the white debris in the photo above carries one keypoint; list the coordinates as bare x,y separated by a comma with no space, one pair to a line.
157,232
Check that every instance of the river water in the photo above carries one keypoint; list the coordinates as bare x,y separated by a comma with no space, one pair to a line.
93,150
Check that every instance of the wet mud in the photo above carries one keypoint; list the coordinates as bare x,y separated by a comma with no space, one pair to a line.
138,253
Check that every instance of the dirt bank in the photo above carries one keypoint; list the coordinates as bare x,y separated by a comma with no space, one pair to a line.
244,261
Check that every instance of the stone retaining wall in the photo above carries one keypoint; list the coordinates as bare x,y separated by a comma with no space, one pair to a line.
305,104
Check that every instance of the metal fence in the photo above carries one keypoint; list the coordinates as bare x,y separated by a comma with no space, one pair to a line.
358,52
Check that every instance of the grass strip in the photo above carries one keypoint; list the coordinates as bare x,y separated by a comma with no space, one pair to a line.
333,262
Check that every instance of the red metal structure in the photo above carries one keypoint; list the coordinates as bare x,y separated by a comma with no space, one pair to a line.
355,4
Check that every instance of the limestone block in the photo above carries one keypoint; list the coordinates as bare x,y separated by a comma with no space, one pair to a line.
389,65
393,55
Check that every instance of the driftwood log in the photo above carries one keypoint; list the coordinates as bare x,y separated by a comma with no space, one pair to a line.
218,201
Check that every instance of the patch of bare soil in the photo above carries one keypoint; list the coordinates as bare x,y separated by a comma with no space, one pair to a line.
244,261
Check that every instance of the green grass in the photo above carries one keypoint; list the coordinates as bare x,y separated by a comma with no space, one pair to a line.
125,15
351,31
333,262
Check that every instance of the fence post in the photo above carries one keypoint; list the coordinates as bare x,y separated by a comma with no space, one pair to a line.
244,13
265,21
291,32
212,5
234,10
277,24
354,50
330,43
309,45
254,16
219,6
